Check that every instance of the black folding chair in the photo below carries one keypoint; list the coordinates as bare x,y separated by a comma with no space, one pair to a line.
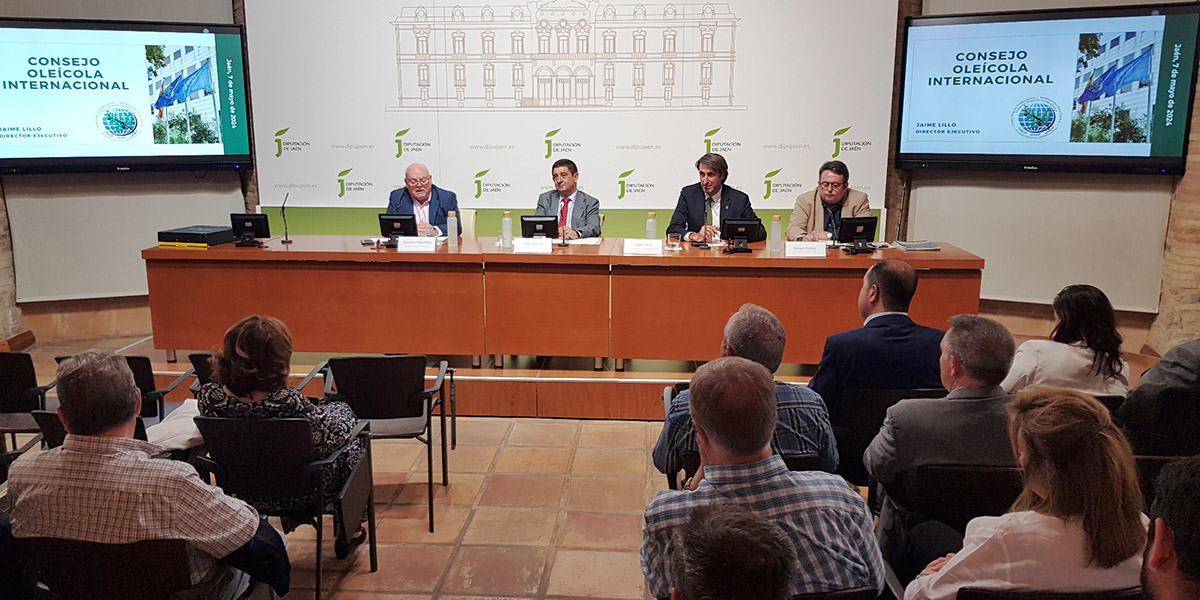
390,392
857,421
202,367
264,461
20,394
143,377
145,570
1148,468
971,593
862,593
53,431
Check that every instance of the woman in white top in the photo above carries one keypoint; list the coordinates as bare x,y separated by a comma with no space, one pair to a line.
1083,352
1077,525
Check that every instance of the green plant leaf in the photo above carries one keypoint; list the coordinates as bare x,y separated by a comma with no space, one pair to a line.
346,172
712,133
482,173
772,173
841,131
626,174
282,131
400,133
553,133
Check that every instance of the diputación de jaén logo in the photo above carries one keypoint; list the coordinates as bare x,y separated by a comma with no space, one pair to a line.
479,182
1036,117
708,140
837,141
117,121
279,141
767,180
400,142
621,182
342,182
550,142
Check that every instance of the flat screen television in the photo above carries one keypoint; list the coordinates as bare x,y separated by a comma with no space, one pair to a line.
110,96
1084,90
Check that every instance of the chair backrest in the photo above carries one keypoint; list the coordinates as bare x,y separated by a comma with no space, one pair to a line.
53,431
863,593
143,377
263,458
204,370
466,218
955,494
1112,402
1148,468
17,377
970,593
381,387
862,410
794,462
145,570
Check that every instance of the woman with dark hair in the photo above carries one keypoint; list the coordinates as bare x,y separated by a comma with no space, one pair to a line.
250,374
1083,352
1077,525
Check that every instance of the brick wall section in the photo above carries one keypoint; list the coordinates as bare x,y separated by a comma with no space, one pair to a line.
10,316
895,197
249,178
1178,318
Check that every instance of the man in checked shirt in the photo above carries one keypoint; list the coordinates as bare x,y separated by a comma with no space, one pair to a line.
102,485
732,403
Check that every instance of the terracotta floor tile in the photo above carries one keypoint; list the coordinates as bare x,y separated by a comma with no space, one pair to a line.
511,526
602,530
463,489
607,493
612,434
410,523
655,485
464,459
523,490
302,555
607,461
387,485
501,571
533,460
402,568
597,575
478,432
653,430
527,432
370,596
395,455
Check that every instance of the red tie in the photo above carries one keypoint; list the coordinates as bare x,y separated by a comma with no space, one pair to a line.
562,219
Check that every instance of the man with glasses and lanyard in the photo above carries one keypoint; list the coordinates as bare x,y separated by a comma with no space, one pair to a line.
818,213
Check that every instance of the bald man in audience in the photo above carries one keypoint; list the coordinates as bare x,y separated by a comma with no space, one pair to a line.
1171,564
967,427
732,403
429,203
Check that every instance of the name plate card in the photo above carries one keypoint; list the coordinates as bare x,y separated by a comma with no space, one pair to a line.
804,250
416,244
533,245
644,247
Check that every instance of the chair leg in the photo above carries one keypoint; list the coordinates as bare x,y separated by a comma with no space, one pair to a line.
445,457
371,513
429,466
453,415
320,527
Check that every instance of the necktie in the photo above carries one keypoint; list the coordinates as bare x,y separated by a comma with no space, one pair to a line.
562,219
710,218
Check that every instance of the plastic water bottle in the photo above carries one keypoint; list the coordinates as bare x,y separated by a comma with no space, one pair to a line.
776,240
452,229
506,230
651,227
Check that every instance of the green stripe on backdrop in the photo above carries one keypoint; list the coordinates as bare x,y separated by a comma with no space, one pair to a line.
628,223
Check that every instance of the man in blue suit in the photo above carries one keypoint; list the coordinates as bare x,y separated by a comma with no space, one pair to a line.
703,205
427,201
889,351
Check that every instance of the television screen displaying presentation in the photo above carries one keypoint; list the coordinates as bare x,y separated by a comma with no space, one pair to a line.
79,96
1106,90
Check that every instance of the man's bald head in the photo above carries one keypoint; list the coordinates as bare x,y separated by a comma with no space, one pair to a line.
418,181
896,281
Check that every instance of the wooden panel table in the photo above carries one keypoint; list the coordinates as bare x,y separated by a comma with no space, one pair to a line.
547,304
334,294
675,306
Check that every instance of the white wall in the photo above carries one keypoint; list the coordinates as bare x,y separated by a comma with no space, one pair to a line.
80,236
1041,232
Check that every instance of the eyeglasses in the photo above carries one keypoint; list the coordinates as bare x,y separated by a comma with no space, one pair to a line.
421,181
830,185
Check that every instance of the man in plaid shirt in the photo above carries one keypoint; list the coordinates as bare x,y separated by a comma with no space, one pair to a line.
802,425
733,408
102,485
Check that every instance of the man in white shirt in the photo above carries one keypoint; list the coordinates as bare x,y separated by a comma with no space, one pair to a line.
429,203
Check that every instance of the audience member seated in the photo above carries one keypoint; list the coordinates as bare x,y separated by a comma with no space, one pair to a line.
802,426
725,552
1161,416
250,381
1083,352
732,403
889,351
103,486
1077,525
967,427
1171,563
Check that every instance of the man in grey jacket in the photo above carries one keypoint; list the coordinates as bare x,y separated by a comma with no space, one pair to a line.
1161,417
578,213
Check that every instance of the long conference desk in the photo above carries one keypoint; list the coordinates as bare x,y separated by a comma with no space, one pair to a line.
336,295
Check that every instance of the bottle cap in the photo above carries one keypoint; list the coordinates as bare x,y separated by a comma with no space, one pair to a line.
451,213
650,215
508,213
773,217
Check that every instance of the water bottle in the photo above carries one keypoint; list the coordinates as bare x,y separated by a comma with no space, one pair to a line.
651,227
506,230
452,229
776,243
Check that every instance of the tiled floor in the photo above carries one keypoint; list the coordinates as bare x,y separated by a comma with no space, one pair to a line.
535,508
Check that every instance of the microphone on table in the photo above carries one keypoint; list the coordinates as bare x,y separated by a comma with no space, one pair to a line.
283,214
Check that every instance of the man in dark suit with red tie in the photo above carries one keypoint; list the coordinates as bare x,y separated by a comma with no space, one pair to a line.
702,206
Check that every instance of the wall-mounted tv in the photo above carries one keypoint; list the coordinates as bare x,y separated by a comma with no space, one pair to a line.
106,96
1087,90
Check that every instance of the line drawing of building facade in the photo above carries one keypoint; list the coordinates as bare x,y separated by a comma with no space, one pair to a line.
568,54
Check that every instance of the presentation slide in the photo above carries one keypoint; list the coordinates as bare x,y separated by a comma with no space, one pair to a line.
1116,86
100,93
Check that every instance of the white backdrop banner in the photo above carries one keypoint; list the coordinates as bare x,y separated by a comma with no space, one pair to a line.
345,96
